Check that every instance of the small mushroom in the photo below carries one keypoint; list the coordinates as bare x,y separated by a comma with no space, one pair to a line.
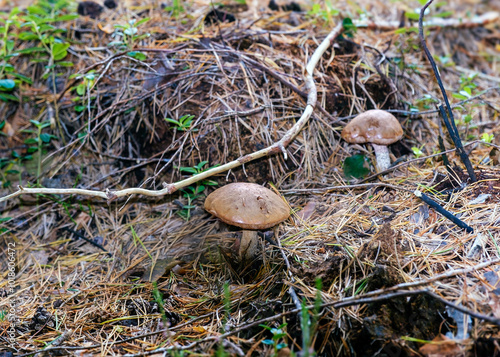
248,206
378,127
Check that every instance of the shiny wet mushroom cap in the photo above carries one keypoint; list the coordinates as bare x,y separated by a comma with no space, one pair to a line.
377,127
373,126
247,205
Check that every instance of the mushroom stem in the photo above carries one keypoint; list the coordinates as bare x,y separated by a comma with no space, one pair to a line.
249,244
382,158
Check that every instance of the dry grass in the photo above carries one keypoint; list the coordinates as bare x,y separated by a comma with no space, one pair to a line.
356,239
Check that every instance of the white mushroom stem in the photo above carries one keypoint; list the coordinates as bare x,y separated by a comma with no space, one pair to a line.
249,245
382,158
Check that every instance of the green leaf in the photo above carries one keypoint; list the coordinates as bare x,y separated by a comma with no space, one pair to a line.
459,96
80,89
37,10
412,15
137,55
7,67
61,4
65,64
22,77
7,84
31,50
188,170
45,137
354,167
31,141
130,31
59,51
201,164
404,30
173,121
27,36
349,27
6,97
67,17
444,14
140,22
46,28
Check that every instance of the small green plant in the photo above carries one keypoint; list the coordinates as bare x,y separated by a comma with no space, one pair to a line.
446,61
417,151
467,119
128,36
183,124
37,143
41,140
487,138
82,89
415,14
194,192
9,77
326,13
425,102
176,9
7,85
51,46
4,219
467,87
309,324
158,296
278,334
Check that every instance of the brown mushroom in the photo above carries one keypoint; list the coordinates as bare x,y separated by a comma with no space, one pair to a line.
378,127
248,206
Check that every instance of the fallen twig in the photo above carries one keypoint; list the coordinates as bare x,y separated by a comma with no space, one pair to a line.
448,117
438,208
270,150
476,21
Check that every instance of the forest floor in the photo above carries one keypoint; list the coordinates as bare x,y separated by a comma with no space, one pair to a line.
150,94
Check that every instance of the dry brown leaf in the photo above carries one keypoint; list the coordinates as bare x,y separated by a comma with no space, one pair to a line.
8,130
108,28
160,268
81,220
442,346
307,211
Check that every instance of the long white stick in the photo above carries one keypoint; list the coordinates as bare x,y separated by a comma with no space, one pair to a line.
170,188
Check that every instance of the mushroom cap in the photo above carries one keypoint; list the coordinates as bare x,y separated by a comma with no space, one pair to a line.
373,126
247,205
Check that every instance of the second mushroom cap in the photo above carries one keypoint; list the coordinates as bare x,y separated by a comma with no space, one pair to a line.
373,126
